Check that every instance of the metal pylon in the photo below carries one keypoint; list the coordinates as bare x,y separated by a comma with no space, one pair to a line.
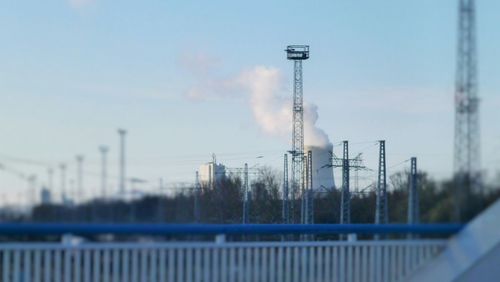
381,209
345,205
413,197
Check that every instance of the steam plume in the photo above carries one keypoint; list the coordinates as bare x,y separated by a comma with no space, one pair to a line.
272,111
271,104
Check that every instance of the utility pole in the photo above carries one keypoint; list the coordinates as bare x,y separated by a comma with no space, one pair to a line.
413,197
297,53
286,209
79,178
50,179
345,205
104,171
161,208
71,191
122,133
32,191
63,183
246,196
381,212
197,193
467,155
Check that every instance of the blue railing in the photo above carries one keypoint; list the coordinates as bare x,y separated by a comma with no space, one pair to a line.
228,229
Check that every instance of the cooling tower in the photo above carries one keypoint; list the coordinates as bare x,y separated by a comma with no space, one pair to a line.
322,172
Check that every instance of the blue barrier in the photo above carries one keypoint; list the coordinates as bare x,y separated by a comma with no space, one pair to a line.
229,229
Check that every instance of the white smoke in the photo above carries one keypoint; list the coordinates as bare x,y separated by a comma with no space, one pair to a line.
313,135
272,111
269,100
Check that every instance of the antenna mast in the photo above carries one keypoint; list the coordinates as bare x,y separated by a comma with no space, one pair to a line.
467,143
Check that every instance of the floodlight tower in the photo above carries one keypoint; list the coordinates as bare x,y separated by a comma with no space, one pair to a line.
467,139
297,53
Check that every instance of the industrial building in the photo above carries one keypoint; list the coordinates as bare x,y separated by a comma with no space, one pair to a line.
211,173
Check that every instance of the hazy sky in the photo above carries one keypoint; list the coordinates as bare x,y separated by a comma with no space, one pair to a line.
73,71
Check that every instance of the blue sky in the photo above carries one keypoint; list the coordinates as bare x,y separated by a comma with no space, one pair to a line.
72,72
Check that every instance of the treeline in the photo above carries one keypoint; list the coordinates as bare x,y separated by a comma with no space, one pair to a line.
224,204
